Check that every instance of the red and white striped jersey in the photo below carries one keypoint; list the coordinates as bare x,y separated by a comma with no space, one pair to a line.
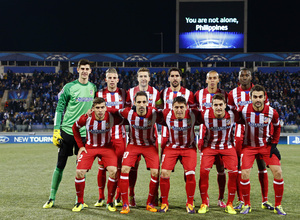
141,128
219,132
258,125
203,98
152,93
167,96
114,101
98,133
239,97
181,131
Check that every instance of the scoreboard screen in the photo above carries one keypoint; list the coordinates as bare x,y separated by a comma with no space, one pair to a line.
211,26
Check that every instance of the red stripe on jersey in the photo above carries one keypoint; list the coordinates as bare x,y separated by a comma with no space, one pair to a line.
141,130
203,98
258,125
219,132
114,100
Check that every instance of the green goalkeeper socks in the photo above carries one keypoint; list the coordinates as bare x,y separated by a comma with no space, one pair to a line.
56,179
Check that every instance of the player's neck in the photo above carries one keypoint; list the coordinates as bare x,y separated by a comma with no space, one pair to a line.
112,89
176,89
258,109
143,88
99,119
83,81
212,90
246,87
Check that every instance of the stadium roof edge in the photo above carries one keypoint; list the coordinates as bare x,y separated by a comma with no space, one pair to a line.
149,57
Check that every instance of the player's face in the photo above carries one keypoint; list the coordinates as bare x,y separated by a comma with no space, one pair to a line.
245,78
212,79
219,108
141,104
179,110
174,78
258,99
112,80
100,110
143,79
84,71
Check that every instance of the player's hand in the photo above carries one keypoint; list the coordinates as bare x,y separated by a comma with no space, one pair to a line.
274,150
80,151
57,139
89,112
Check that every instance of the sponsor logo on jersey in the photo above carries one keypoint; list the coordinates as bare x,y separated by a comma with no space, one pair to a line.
109,104
84,99
220,128
207,104
242,103
99,131
257,125
4,139
141,127
181,128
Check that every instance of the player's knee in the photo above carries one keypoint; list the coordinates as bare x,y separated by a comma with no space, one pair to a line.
245,174
112,171
80,173
125,169
277,172
154,172
165,174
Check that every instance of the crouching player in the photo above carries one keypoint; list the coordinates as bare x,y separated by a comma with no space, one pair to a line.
258,119
98,144
218,142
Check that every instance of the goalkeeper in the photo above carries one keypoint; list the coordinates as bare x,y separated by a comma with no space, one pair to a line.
76,98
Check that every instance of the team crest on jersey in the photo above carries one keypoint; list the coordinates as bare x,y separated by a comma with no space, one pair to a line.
266,120
91,92
120,98
189,121
228,122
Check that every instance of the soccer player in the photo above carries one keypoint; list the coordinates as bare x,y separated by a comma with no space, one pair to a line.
181,145
168,94
203,100
143,77
258,140
238,97
218,142
98,144
141,119
115,99
75,99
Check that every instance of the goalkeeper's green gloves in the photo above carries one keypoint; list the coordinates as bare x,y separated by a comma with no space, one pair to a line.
57,139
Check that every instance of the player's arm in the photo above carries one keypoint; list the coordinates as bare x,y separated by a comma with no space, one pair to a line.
198,116
160,117
196,97
63,100
128,101
191,101
230,101
276,135
76,127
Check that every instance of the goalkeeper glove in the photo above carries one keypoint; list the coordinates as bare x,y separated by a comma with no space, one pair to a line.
275,151
57,139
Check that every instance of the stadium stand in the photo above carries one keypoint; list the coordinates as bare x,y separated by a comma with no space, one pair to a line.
33,96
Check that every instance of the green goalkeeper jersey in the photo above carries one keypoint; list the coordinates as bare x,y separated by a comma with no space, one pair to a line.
75,99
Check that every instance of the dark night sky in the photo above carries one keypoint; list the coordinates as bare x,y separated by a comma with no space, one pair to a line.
130,26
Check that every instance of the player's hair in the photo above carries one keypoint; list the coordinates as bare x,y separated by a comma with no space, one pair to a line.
98,100
174,69
84,62
179,99
218,96
110,70
244,69
212,71
258,88
143,69
140,93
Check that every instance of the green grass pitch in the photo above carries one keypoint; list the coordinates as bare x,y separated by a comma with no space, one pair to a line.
26,172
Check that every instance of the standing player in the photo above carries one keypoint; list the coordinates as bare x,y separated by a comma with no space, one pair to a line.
76,98
236,98
168,94
143,77
181,145
258,140
218,142
115,99
98,128
203,100
141,121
